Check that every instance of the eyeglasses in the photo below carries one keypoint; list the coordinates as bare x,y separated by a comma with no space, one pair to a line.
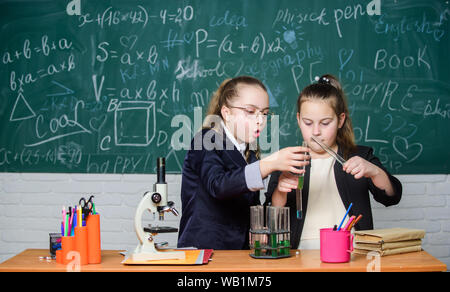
253,113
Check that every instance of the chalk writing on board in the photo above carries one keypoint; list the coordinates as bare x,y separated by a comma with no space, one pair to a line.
113,17
28,50
73,7
111,89
407,26
58,127
383,60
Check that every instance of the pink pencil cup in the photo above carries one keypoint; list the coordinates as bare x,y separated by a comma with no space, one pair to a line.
335,246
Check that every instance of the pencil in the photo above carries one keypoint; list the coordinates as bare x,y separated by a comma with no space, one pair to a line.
343,219
354,222
71,221
349,222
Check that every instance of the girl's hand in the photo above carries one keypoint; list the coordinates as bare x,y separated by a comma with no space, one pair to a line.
359,167
287,182
287,159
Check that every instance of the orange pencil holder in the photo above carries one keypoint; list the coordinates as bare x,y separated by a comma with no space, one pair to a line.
93,239
59,258
81,244
67,245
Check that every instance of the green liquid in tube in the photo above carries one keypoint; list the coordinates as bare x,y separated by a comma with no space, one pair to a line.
298,197
300,182
273,243
257,248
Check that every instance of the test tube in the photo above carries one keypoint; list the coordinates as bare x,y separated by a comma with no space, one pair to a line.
298,191
280,235
256,225
288,216
286,228
272,219
253,211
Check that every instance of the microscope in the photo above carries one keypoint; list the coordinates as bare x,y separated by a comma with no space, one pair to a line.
155,201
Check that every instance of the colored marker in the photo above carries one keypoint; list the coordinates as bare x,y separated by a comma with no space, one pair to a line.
80,220
66,228
75,217
72,228
63,213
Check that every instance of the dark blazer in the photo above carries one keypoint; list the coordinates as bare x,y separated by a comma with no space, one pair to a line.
351,190
214,195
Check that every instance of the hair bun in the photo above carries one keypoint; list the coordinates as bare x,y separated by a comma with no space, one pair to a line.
322,80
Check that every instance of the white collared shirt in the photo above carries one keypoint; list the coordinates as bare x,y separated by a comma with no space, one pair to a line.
253,177
241,147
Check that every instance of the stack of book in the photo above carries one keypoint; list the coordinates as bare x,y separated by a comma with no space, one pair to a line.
388,241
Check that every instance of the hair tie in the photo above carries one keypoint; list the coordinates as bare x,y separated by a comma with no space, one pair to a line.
322,80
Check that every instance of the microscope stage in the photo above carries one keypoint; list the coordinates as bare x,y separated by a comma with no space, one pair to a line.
160,229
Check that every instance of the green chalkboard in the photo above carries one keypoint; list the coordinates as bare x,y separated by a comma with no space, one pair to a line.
111,89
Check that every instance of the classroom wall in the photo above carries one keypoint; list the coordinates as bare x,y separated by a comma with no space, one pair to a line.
30,208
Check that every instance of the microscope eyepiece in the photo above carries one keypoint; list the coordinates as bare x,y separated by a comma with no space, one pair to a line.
161,170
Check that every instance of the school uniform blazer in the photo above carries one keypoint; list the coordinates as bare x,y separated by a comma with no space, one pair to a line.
351,190
214,195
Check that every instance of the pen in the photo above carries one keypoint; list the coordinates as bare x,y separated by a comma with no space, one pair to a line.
342,222
349,222
72,228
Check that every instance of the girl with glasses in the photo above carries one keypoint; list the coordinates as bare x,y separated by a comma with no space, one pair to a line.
223,171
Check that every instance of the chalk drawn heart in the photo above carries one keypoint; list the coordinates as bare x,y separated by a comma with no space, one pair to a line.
188,37
405,150
128,41
97,123
232,68
344,54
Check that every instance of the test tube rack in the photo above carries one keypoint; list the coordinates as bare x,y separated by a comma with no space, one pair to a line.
269,239
270,245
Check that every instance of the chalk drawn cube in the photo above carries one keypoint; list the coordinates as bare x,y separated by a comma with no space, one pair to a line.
134,123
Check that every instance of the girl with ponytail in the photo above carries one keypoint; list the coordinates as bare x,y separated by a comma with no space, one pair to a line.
330,187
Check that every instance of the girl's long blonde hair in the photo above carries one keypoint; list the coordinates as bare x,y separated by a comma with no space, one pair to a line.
226,92
330,90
